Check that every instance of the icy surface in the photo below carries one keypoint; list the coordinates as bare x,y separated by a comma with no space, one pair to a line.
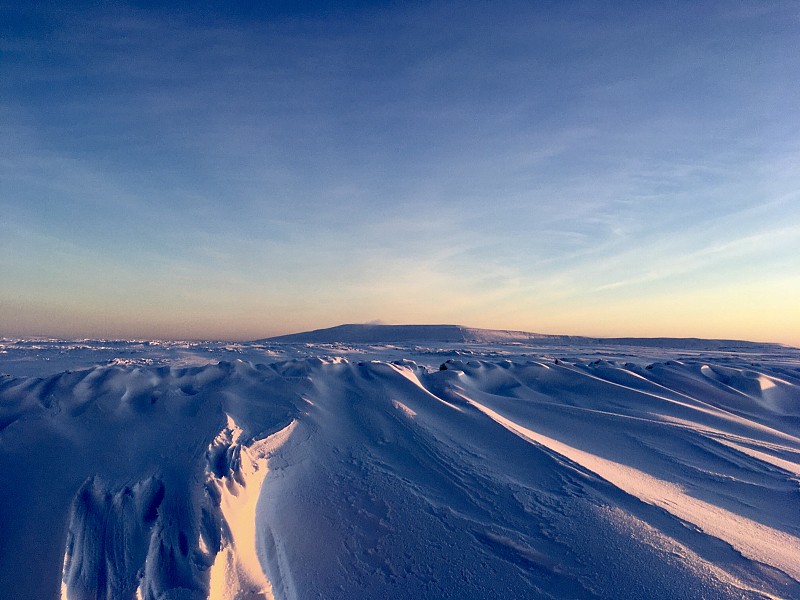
399,469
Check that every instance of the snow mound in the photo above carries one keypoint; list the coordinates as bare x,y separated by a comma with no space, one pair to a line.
330,478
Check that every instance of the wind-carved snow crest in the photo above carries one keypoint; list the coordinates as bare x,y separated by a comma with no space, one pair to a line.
235,474
108,539
119,543
167,505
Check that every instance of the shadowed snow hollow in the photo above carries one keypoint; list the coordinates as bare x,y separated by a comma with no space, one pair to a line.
329,478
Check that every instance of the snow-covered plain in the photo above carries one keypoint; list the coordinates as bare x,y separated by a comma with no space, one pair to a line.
436,462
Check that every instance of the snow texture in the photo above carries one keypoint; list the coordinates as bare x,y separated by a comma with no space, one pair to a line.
400,469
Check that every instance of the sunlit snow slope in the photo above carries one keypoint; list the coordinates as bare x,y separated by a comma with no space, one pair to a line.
333,478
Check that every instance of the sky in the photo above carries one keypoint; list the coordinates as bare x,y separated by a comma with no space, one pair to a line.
231,171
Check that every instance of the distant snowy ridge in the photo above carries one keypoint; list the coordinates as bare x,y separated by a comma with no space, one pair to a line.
376,334
381,334
373,334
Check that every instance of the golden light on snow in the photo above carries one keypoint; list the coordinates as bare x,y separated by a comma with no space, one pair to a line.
754,540
237,571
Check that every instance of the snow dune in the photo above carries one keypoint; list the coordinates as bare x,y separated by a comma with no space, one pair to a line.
335,478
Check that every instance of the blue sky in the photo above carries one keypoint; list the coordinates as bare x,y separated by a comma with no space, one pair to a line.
232,172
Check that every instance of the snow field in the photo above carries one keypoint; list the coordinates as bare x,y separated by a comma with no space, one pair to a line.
336,478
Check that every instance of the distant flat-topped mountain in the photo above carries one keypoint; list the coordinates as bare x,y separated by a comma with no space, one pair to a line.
371,334
377,334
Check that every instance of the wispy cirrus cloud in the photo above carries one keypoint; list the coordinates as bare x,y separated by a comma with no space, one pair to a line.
496,161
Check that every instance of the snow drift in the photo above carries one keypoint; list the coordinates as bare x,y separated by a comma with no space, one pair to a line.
335,478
